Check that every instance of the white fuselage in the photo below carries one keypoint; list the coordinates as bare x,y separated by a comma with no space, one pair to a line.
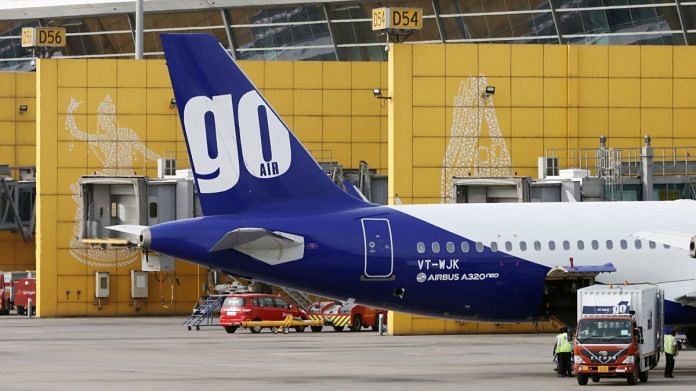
590,225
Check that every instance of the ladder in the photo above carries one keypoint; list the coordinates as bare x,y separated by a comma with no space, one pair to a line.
301,298
204,312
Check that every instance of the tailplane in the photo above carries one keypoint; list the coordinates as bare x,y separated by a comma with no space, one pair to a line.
242,154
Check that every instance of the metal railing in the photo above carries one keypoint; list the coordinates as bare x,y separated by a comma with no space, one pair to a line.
666,160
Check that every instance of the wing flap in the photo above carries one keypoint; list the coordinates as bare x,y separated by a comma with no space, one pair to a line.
272,247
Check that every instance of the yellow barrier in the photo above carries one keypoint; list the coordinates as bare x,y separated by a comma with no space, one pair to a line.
282,325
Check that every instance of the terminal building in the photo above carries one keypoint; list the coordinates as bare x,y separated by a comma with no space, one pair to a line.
495,101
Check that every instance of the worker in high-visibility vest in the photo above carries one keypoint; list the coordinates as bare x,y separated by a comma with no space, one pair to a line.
562,348
671,351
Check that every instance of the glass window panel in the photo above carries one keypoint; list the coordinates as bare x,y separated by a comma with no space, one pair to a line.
182,19
595,245
465,247
362,53
610,244
537,245
652,244
689,16
552,245
566,245
638,244
280,14
420,247
494,246
508,246
355,32
523,246
581,245
435,247
91,24
479,247
450,247
624,244
98,44
282,35
532,24
468,6
288,54
153,43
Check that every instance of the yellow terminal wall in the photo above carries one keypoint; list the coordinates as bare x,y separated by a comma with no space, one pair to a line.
546,97
93,110
17,148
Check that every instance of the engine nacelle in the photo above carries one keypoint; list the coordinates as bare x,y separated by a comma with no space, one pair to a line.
692,247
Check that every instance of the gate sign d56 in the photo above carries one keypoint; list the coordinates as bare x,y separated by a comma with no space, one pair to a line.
397,18
43,37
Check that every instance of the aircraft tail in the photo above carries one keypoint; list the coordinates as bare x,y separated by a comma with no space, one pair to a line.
242,154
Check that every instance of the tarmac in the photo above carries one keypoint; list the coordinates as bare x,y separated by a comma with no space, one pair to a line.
158,353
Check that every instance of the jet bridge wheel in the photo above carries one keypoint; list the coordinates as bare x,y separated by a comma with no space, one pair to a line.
316,329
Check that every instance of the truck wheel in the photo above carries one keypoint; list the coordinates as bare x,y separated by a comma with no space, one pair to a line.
582,379
338,329
316,329
595,379
300,329
643,377
632,378
20,310
357,323
230,329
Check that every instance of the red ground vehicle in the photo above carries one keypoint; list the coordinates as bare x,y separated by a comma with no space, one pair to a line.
242,307
340,315
24,289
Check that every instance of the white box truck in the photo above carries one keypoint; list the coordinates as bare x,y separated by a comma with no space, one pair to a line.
619,332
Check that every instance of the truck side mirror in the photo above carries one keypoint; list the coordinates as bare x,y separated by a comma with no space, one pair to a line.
639,335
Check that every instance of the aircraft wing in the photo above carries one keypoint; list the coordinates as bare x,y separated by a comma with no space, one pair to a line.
272,247
687,299
670,238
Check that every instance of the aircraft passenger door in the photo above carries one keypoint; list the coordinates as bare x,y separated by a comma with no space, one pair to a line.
379,253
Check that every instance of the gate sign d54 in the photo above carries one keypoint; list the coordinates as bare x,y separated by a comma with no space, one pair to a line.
397,18
43,37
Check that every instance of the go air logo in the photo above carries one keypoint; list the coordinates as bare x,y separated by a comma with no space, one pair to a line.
264,140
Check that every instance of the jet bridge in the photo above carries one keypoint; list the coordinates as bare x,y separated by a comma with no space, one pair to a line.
133,200
18,201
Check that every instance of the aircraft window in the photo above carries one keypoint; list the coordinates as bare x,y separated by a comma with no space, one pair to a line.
494,246
552,245
595,245
666,246
652,244
465,247
610,244
420,247
479,247
523,245
435,247
566,245
537,245
624,244
638,244
581,245
508,246
450,247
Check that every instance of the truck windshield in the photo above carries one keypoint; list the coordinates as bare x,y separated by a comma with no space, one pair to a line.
604,331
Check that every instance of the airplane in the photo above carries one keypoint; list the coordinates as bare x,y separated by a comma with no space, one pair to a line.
273,215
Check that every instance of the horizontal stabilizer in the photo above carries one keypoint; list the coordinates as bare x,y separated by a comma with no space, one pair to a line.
133,230
272,247
670,238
